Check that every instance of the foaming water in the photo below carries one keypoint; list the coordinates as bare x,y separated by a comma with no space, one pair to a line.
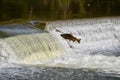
33,48
97,57
99,46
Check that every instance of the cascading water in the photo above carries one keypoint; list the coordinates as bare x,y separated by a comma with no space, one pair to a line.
99,46
96,57
34,48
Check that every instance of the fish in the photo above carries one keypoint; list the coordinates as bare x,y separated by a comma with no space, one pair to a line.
70,37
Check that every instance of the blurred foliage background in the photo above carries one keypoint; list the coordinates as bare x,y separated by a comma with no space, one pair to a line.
57,9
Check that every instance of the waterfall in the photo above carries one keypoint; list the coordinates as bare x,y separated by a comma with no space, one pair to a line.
97,56
33,48
99,46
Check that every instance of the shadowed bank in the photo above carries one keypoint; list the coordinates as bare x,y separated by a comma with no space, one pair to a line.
57,9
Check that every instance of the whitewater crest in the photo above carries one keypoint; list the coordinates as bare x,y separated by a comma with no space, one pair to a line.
6,53
99,46
32,48
96,34
97,56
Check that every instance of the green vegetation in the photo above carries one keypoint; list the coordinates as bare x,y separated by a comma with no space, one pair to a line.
57,9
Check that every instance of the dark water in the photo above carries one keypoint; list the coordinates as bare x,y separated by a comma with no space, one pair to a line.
57,9
17,29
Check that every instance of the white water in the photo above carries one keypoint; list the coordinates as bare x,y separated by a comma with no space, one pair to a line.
31,49
99,47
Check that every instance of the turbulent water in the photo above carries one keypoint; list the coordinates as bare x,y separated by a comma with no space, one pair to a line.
99,46
96,57
35,48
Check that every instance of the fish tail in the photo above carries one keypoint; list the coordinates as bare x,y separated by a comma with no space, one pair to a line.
79,40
